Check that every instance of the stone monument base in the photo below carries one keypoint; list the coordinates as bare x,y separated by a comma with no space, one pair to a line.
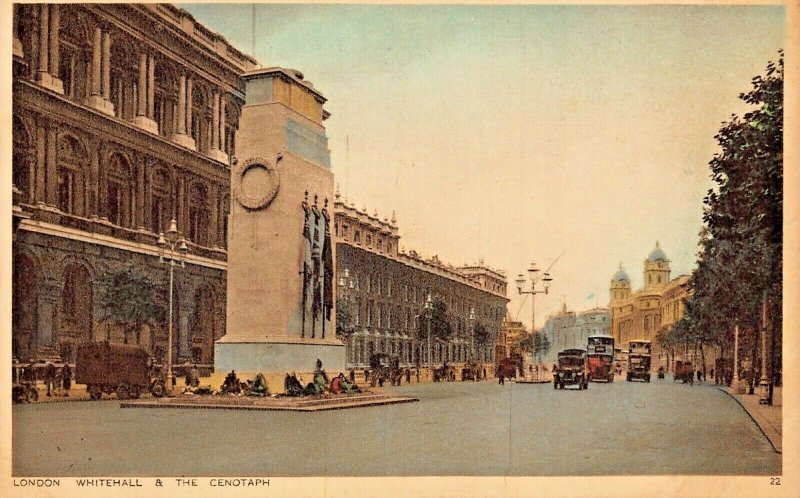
279,355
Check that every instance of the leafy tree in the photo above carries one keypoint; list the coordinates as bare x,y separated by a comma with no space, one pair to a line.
344,318
441,328
129,300
740,260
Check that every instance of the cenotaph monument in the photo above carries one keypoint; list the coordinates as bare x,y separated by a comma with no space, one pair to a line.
280,303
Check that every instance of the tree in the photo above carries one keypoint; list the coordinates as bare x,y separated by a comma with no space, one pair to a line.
344,319
481,334
439,322
129,300
740,260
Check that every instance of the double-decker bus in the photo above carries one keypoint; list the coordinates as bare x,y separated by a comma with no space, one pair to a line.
600,350
639,357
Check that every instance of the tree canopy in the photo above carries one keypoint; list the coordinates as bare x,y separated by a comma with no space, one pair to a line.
129,299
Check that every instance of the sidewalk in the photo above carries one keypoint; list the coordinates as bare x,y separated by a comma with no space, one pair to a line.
768,418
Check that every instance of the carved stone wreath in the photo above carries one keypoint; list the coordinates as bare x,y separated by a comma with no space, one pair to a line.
251,194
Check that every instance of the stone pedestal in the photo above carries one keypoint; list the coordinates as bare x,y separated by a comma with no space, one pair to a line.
99,103
218,155
49,81
146,124
280,315
184,140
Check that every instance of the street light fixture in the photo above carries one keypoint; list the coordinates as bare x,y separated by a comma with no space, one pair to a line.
429,315
172,249
472,332
534,279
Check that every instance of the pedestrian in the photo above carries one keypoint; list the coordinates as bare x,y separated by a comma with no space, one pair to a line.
484,373
352,376
501,379
49,377
417,373
366,375
408,376
66,376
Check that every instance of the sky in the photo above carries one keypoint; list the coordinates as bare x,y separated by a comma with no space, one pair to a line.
520,134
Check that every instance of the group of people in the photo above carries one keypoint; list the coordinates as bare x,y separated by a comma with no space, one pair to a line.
57,379
320,384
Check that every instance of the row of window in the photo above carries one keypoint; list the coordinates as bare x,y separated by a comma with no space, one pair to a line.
360,349
380,243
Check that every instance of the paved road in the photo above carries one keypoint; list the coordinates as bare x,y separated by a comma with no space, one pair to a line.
456,429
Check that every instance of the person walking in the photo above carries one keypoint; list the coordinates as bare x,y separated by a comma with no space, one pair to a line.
66,378
501,379
49,377
408,376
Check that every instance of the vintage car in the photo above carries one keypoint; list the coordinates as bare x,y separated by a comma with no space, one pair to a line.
112,368
572,369
684,372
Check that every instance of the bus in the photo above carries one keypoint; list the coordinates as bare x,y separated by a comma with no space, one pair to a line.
600,349
639,357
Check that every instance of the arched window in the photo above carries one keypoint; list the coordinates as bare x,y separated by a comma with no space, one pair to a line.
201,117
74,67
119,188
72,159
124,74
160,206
198,214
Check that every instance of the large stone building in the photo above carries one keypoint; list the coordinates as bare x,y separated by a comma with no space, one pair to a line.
642,314
568,329
124,118
386,289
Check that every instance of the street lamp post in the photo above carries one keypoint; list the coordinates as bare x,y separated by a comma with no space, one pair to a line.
472,333
735,380
171,249
346,287
535,279
763,383
429,315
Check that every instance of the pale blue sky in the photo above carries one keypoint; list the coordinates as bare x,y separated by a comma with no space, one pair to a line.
517,133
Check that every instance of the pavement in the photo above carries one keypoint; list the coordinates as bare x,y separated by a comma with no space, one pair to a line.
462,429
769,419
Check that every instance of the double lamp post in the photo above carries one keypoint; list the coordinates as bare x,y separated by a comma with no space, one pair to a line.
535,278
172,250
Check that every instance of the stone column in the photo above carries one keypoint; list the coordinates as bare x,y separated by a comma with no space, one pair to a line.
106,81
44,28
222,118
97,98
144,91
97,61
141,90
181,136
218,130
94,182
41,164
55,53
151,86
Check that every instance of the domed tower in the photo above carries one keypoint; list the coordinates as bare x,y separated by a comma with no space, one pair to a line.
620,286
656,269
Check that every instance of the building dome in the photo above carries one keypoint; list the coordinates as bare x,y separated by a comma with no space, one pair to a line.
621,276
657,254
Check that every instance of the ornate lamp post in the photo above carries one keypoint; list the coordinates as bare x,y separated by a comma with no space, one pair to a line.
472,333
429,315
172,249
346,287
735,380
535,279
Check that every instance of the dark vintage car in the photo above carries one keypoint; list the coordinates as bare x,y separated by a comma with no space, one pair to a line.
572,369
112,368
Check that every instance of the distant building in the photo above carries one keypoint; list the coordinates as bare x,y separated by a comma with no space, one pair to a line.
656,307
570,329
388,287
510,334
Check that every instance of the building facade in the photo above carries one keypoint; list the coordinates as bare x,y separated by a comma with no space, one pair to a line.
124,117
570,329
386,289
641,315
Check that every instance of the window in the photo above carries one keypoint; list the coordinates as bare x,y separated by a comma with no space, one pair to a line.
118,191
159,202
65,180
369,240
357,237
198,215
